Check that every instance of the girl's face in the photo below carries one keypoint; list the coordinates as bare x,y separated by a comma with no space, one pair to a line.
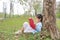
37,19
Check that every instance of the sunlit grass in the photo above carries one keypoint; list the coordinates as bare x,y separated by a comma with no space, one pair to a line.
12,24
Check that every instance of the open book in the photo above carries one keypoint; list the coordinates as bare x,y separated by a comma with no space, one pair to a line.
31,22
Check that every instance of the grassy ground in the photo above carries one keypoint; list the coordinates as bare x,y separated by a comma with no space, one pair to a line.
58,23
10,25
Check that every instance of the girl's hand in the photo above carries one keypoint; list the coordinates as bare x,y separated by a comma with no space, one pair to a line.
30,18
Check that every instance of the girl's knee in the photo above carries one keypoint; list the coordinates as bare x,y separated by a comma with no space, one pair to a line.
25,24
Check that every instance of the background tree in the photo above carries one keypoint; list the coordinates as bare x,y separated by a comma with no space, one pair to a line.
11,8
37,6
58,7
4,9
34,5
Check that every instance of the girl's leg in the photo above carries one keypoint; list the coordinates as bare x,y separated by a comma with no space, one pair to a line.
25,24
19,32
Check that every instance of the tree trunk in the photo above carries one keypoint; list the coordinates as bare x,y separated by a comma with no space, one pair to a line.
4,9
35,12
11,9
49,18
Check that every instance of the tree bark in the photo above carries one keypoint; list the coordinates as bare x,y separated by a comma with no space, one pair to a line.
4,9
49,18
11,9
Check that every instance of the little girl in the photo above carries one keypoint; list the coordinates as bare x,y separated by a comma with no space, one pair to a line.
31,27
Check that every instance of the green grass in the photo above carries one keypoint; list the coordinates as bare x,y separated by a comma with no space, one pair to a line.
1,15
10,25
58,23
58,15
